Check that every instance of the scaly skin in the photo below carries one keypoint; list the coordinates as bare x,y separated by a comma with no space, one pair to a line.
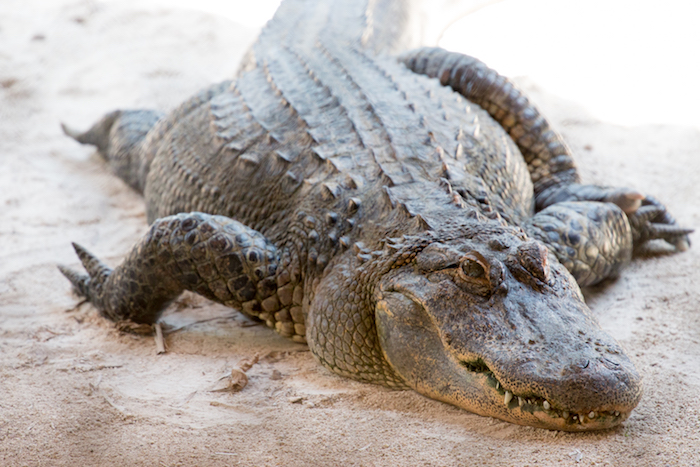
575,232
383,218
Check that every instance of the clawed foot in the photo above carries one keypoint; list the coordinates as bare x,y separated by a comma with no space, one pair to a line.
87,285
653,222
648,218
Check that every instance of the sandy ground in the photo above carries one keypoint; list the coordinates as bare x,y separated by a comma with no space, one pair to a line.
74,391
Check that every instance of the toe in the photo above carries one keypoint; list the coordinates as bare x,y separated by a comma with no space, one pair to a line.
95,268
79,281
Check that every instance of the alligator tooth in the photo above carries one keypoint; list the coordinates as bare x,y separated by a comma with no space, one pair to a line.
591,415
546,405
565,414
521,401
507,398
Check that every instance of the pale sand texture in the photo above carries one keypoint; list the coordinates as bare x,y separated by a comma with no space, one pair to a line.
73,391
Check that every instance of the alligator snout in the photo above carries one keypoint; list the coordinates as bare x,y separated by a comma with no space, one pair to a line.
562,369
587,393
600,384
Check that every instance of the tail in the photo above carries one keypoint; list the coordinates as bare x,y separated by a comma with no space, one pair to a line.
118,137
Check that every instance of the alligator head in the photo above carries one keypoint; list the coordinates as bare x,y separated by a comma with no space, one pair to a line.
499,327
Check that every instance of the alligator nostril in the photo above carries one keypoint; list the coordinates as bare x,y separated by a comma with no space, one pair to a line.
610,364
595,382
580,367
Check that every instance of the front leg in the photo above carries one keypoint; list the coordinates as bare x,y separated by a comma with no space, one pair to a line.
549,160
592,240
648,218
213,256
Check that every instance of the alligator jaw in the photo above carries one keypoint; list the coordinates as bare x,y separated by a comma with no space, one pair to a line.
536,411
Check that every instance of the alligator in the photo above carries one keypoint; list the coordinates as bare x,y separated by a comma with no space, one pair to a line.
407,213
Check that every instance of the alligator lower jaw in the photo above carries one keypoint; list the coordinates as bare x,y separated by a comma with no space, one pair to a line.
536,411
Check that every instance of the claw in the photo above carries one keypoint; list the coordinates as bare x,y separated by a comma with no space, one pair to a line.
668,232
72,132
654,218
95,268
664,217
79,281
85,283
649,212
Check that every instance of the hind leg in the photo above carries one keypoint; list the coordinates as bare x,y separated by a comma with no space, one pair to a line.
647,217
129,139
119,138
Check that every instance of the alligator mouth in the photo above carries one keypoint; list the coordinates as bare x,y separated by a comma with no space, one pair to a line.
535,405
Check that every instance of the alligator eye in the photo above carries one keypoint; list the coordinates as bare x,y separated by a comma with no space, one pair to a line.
474,270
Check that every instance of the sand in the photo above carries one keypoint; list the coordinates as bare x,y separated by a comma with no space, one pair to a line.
75,391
